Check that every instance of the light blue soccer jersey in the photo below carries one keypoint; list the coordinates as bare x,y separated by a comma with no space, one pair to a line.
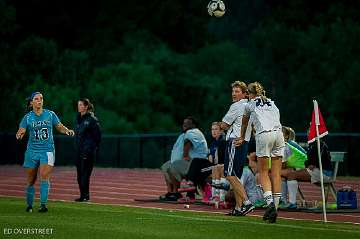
40,129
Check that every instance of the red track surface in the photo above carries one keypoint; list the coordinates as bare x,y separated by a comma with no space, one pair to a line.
122,186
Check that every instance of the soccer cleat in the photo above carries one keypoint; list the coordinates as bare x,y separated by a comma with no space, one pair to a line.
43,208
29,209
245,209
235,212
270,214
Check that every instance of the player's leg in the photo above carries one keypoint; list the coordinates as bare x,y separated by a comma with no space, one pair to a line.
46,166
276,179
31,164
30,189
277,153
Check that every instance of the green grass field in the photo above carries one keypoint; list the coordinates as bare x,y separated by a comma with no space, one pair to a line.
73,220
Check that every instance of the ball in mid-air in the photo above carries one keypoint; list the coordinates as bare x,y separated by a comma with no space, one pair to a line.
216,8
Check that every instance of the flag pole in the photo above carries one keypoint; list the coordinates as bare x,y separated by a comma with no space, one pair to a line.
317,123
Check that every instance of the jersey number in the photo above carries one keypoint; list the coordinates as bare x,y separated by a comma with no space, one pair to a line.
41,134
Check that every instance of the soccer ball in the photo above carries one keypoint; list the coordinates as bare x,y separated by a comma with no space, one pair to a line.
216,8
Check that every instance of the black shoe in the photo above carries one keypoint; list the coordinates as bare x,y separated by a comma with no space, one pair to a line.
82,199
43,208
245,209
270,214
235,212
170,197
29,209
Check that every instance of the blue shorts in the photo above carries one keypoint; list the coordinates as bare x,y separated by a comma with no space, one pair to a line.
33,159
235,159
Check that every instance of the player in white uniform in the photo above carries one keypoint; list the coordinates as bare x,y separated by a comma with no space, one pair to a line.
269,144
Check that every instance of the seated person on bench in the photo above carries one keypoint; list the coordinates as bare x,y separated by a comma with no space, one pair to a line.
312,172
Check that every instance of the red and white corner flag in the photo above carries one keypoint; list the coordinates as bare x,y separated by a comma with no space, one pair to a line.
318,130
316,120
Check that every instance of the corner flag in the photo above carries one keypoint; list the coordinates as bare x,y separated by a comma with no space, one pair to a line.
318,130
316,120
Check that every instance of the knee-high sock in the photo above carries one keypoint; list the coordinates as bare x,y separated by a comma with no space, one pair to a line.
284,191
30,192
292,188
44,191
277,197
268,197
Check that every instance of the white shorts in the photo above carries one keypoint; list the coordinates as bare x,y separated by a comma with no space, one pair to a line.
270,144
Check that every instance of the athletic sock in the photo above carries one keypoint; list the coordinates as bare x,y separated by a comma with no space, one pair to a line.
44,191
268,198
277,197
30,193
292,188
247,202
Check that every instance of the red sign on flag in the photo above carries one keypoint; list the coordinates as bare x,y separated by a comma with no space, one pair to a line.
321,125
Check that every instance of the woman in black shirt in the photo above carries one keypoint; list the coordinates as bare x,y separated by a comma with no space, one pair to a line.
88,136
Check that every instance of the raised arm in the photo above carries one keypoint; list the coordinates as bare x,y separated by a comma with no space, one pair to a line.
62,129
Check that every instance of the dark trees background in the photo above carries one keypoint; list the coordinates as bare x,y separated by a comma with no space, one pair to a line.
148,64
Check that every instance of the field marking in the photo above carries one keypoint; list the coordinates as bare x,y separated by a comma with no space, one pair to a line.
254,223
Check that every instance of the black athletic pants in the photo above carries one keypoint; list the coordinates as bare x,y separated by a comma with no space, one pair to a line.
199,170
84,167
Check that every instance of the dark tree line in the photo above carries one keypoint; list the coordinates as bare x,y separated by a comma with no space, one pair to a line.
147,64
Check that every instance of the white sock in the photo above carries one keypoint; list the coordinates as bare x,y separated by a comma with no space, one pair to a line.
277,197
247,202
292,188
268,197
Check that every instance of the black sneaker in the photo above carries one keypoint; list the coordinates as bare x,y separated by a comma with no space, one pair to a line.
29,209
235,212
270,214
169,197
43,208
245,209
82,199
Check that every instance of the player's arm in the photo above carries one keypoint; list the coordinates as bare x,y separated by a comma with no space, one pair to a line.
244,125
62,129
224,126
187,147
20,133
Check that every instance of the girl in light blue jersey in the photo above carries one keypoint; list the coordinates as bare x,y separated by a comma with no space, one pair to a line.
40,152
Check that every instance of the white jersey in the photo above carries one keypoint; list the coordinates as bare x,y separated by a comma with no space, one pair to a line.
234,118
265,115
